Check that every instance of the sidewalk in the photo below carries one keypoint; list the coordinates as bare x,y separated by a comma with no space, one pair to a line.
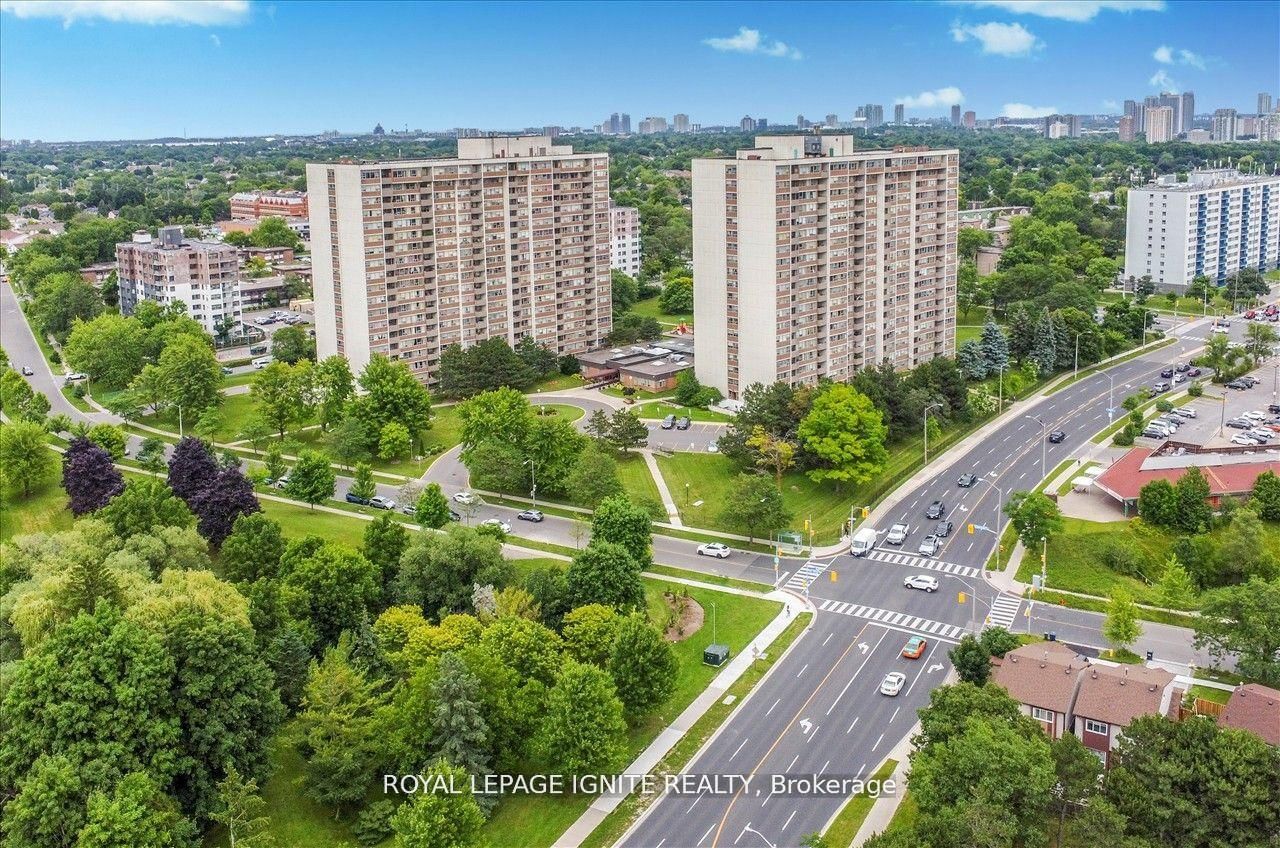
667,739
668,502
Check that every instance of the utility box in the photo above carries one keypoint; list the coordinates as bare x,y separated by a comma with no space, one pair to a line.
715,655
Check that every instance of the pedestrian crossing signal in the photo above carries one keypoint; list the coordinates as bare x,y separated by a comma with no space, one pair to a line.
970,529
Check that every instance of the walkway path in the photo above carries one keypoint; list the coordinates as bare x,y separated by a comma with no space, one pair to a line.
668,503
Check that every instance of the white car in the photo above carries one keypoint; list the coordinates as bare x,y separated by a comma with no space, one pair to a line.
929,546
714,549
1218,329
464,498
897,534
379,502
892,683
927,582
261,362
1262,434
1245,440
496,522
1254,415
1185,412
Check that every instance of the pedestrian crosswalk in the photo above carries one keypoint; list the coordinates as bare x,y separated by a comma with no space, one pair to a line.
805,575
906,621
1003,611
920,562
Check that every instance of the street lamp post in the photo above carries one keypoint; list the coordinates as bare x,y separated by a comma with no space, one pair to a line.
533,477
1076,372
1111,395
926,429
996,524
1000,388
1043,426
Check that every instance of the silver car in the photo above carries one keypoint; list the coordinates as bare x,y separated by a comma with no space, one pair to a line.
929,546
897,534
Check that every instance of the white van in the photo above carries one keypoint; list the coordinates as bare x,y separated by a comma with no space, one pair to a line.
261,362
863,541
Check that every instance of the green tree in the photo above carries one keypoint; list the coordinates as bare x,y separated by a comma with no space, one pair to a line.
1033,516
500,416
1158,504
350,441
25,458
256,432
1077,770
292,344
677,296
191,375
440,820
1260,341
1121,627
209,424
594,477
145,504
392,393
771,453
1194,512
253,550
312,479
362,485
394,442
625,291
151,454
1244,620
279,392
643,667
589,632
971,661
275,463
109,349
60,301
598,426
1265,499
459,733
754,506
627,431
969,239
845,433
605,573
334,387
1176,589
274,232
583,730
241,812
135,813
339,730
18,400
432,507
621,522
384,542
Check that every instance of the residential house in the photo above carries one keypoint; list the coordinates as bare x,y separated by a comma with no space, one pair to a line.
1109,698
1042,678
1255,708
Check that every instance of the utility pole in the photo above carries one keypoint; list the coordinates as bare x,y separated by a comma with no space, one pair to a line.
926,429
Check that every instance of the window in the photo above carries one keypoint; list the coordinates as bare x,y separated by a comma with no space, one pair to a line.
1097,726
1041,714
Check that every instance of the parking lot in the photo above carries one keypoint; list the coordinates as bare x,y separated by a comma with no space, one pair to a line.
270,320
699,437
1220,405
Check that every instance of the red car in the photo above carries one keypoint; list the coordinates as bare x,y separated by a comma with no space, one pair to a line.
1251,314
914,649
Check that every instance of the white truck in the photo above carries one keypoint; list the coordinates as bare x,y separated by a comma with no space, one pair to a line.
863,541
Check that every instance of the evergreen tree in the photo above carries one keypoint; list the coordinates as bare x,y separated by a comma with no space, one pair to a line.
459,734
242,812
995,347
1044,351
972,360
1175,587
1121,627
1194,512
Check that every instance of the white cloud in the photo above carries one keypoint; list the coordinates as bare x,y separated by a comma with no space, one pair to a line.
196,12
1000,39
949,96
1023,110
749,40
1110,104
1163,81
217,42
1077,11
1163,54
1195,60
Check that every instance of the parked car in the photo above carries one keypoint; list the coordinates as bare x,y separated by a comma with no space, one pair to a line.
1179,378
967,481
1238,385
1056,437
27,372
75,377
1159,388
924,582
1185,412
937,509
453,516
1244,440
1240,423
1273,408
1253,415
892,683
1250,380
464,498
943,529
496,522
914,649
261,362
408,509
719,550
530,515
897,534
379,502
683,422
1218,328
929,546
354,499
669,422
282,482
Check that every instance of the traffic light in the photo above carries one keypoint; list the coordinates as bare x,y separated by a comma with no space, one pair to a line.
833,576
969,528
866,510
960,597
806,525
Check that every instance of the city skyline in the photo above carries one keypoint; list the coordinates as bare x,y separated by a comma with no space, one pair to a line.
96,72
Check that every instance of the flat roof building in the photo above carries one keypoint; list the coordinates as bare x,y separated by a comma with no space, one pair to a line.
509,239
813,259
624,239
256,205
201,274
1214,224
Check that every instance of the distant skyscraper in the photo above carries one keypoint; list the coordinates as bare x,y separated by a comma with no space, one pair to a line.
1133,111
899,113
762,123
801,123
832,120
1158,121
1188,111
615,124
1174,102
747,124
626,124
1127,131
1264,103
874,113
970,119
680,123
955,115
1224,125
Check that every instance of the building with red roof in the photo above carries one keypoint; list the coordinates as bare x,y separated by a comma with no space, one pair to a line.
1230,472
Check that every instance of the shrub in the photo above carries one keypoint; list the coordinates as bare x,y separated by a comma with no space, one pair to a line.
78,390
1196,389
55,357
1124,438
1123,558
1163,405
373,825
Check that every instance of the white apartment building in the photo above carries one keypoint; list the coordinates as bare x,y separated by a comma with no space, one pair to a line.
1216,223
624,230
1158,123
509,239
812,259
201,274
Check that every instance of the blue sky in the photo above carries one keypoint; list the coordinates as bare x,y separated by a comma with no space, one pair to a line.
85,70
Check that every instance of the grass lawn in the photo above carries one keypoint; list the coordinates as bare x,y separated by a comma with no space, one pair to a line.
298,521
967,332
639,395
557,383
446,428
236,410
649,308
636,479
1208,693
45,511
1185,305
661,409
245,379
78,402
905,817
851,816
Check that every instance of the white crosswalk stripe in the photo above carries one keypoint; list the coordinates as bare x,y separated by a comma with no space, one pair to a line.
805,575
894,558
895,619
1003,611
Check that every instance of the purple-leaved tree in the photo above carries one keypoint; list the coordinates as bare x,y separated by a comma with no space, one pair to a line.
192,468
89,476
228,496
